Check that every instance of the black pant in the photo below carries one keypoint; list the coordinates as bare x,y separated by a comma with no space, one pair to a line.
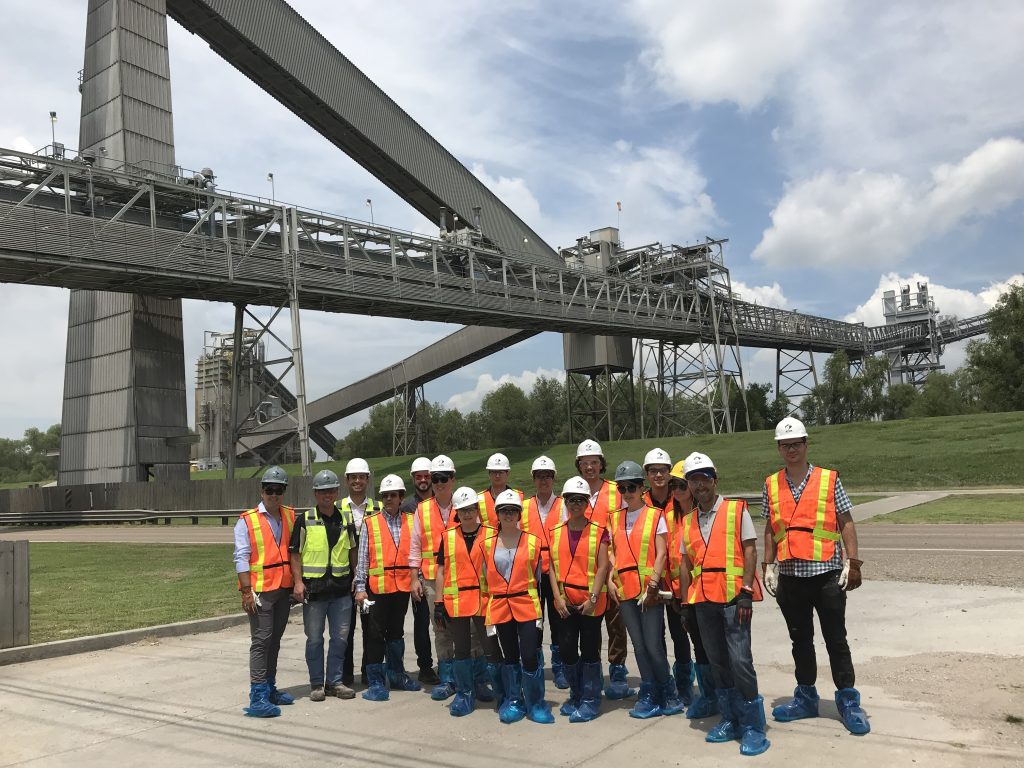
679,631
580,638
266,627
547,602
349,666
517,643
461,630
799,598
386,622
421,634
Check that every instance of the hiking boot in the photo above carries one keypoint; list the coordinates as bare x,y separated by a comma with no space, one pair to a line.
428,676
316,693
340,691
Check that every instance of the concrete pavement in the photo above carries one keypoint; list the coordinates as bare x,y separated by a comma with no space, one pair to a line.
178,701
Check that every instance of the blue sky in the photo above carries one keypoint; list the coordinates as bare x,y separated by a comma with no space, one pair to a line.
841,147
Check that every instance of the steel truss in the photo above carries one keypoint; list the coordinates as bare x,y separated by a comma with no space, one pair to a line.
407,438
601,404
795,375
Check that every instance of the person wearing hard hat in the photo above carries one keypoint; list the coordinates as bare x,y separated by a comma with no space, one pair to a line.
603,503
265,581
541,513
323,552
640,558
498,468
719,577
383,581
680,615
579,581
433,517
459,601
420,473
356,504
810,529
512,573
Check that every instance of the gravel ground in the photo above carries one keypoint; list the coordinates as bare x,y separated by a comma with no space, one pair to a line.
993,569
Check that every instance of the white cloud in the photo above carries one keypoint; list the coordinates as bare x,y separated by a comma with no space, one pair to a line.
470,399
865,219
514,193
765,295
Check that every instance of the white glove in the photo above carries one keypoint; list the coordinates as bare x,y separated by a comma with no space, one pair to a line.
845,575
771,577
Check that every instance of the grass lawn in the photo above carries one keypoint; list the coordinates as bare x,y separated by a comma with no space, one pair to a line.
942,452
983,508
87,589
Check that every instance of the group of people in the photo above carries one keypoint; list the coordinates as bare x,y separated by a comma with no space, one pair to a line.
656,544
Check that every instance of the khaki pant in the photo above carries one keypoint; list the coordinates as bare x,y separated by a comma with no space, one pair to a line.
444,644
616,635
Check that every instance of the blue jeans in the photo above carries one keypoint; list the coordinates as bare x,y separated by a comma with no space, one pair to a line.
727,643
336,613
647,632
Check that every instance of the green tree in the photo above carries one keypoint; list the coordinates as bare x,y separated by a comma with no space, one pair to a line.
757,407
997,363
898,401
504,413
938,397
778,410
547,413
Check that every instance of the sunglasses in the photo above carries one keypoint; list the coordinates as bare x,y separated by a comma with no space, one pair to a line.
627,487
676,485
577,500
543,475
273,490
792,446
390,495
508,510
440,478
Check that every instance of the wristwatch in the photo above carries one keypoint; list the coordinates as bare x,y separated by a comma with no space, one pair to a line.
593,599
748,590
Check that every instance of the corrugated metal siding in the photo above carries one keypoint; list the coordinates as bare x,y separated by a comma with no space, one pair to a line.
582,353
145,86
90,375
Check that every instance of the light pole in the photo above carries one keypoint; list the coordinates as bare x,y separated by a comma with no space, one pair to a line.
273,195
53,127
369,204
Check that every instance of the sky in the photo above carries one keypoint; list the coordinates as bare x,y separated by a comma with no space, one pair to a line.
843,148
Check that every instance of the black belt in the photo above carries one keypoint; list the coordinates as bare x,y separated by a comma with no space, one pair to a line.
712,570
629,568
799,528
576,586
395,568
272,565
509,595
469,589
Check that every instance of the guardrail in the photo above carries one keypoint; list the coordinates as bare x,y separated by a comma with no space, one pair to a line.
109,516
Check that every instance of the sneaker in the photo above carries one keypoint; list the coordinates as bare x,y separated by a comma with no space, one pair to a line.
316,693
341,691
429,676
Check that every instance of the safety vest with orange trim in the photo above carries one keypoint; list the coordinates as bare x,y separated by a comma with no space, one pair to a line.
486,503
675,557
518,597
387,567
433,527
530,521
606,505
635,552
464,590
805,529
576,571
717,572
269,564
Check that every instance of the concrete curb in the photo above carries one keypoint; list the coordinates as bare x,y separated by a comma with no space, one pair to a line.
114,639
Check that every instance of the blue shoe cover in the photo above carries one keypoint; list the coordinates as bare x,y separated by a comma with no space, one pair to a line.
481,690
572,676
446,688
670,701
706,703
684,672
397,676
259,704
618,685
590,693
803,704
463,703
854,718
751,719
276,696
377,689
727,729
646,703
512,708
558,669
537,708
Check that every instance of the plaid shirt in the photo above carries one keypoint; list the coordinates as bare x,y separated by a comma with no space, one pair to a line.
805,568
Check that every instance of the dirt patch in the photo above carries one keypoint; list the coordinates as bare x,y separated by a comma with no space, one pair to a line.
996,569
980,692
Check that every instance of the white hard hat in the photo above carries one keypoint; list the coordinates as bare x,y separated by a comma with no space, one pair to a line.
790,428
442,463
589,448
698,462
576,486
464,497
422,464
392,483
508,497
498,461
357,467
542,464
657,456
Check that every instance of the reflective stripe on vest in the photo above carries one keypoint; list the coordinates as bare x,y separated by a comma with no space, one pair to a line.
634,570
388,567
316,559
486,504
269,565
804,530
717,572
530,522
569,566
433,528
606,506
516,598
464,573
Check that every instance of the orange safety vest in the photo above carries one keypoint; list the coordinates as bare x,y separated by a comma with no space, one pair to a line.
607,504
577,571
464,587
269,564
518,598
717,573
531,522
486,503
387,569
635,552
433,528
675,557
804,530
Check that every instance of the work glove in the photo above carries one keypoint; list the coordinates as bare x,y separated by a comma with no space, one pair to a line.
770,573
850,577
440,616
744,607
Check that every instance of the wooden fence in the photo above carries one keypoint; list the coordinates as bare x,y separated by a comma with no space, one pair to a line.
14,594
